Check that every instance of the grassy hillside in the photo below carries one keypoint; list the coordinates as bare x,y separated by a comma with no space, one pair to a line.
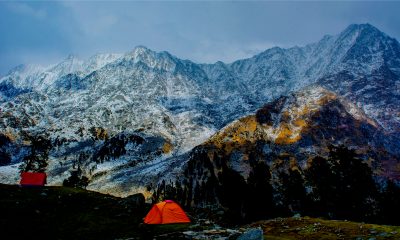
66,213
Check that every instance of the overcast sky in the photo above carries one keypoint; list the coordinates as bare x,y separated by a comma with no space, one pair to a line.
46,32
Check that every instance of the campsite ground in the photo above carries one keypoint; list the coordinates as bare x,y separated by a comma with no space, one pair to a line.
315,228
68,213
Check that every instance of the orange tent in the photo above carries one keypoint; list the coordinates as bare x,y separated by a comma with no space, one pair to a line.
166,212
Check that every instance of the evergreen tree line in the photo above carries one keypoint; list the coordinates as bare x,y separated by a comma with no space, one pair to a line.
37,161
340,186
77,178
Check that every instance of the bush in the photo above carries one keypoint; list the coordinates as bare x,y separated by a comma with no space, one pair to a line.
76,180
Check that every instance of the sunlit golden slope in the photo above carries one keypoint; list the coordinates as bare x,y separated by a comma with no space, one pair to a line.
282,126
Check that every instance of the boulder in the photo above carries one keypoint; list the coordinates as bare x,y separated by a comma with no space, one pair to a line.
252,234
136,201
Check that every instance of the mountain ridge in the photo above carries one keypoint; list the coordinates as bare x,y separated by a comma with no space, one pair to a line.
81,105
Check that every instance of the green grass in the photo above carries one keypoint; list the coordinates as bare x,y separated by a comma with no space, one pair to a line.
315,228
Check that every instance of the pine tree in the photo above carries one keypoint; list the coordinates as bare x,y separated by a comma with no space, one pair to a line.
293,191
356,189
259,202
342,185
390,204
76,180
36,160
322,179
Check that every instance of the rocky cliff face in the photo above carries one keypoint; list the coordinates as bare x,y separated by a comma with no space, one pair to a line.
295,128
125,119
271,158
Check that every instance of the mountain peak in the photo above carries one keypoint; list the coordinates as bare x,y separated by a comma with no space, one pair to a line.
141,47
160,60
138,50
361,26
364,29
138,53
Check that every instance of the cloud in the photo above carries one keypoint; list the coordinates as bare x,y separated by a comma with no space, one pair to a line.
92,21
25,9
203,32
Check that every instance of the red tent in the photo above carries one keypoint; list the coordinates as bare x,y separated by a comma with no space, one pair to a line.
33,179
166,212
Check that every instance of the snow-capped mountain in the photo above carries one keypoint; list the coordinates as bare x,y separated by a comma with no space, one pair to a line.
123,119
361,63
